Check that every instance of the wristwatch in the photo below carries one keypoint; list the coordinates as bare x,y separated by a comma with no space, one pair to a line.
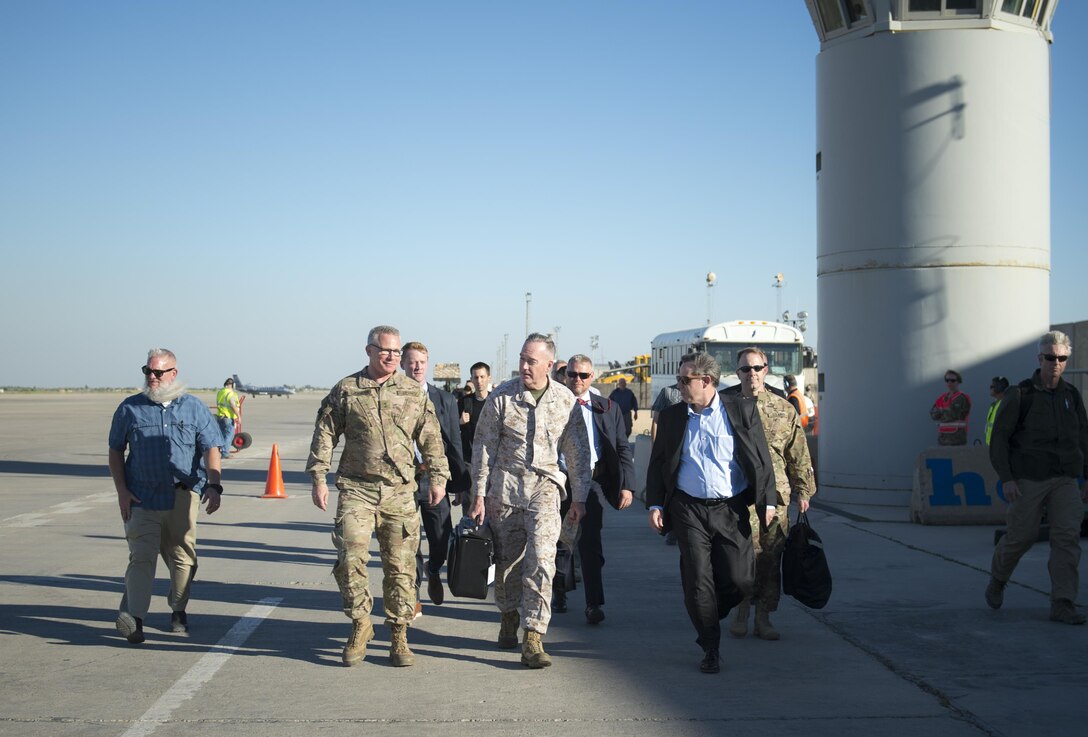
216,487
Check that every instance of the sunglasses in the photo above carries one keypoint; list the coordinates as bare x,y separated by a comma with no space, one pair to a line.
1052,358
686,380
951,380
583,375
158,372
746,369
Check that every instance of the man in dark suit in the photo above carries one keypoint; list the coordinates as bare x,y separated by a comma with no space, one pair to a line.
613,478
710,460
436,519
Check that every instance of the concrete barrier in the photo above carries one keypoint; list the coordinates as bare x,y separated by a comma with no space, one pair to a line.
956,485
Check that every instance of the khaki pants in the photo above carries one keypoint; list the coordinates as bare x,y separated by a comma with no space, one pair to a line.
1061,499
390,513
167,533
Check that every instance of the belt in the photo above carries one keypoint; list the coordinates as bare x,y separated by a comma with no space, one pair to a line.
739,501
181,487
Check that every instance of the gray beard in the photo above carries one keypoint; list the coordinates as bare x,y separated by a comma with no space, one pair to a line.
165,392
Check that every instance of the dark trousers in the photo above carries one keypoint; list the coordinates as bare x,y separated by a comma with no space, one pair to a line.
590,549
438,528
717,562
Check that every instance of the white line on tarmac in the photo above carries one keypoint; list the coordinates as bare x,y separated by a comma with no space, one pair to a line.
75,506
186,686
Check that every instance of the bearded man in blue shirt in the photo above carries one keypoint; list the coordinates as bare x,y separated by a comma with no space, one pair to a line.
172,443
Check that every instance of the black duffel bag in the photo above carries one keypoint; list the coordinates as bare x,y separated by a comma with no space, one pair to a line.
805,573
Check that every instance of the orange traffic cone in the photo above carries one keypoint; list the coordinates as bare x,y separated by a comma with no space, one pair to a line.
273,488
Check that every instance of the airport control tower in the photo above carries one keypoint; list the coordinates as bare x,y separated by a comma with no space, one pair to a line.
933,202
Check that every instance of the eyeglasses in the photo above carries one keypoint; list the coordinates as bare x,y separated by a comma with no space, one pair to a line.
158,372
746,369
1052,358
583,375
951,380
391,352
686,380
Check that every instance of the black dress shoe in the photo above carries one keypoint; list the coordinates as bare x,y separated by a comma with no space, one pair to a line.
594,614
711,662
434,588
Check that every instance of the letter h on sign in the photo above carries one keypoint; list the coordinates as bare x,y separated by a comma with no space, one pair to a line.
944,483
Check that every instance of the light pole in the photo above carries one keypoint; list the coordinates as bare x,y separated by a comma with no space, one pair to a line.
711,280
528,299
779,282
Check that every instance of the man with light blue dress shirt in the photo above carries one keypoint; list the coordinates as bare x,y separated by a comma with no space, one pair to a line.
709,461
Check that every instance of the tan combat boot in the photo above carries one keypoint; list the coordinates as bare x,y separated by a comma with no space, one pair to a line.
532,653
399,653
508,630
764,629
739,627
362,632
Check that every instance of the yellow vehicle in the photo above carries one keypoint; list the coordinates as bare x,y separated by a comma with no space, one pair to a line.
636,370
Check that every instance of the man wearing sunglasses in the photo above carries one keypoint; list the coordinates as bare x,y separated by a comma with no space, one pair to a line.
613,478
792,474
1039,448
172,465
709,462
383,416
950,411
519,485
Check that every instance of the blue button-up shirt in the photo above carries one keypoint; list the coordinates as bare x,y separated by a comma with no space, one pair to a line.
708,466
166,446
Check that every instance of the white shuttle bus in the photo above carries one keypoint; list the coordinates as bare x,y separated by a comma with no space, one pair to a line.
783,344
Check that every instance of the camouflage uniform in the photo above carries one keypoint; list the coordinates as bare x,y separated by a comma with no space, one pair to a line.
381,425
515,467
952,420
792,473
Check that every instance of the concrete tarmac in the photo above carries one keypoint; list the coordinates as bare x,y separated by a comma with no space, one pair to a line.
906,646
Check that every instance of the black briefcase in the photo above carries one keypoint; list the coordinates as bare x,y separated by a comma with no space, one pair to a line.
468,566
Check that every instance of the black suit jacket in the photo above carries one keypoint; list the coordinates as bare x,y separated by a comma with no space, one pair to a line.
449,419
750,444
619,462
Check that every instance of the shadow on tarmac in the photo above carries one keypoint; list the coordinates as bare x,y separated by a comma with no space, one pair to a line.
31,468
322,643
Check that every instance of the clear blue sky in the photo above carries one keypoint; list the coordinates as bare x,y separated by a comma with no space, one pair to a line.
256,184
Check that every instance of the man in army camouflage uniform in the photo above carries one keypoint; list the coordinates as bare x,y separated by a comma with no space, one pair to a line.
517,482
383,417
792,474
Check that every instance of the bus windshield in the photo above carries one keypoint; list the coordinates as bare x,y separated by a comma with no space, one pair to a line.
783,358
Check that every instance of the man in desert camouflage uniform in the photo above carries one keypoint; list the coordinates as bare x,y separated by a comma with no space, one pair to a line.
517,482
792,474
383,417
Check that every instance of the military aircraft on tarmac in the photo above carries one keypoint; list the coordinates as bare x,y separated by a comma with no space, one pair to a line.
253,391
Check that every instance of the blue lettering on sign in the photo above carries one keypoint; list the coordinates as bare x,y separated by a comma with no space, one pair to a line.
944,483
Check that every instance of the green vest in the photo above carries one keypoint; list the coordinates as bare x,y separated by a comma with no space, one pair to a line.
224,403
990,415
